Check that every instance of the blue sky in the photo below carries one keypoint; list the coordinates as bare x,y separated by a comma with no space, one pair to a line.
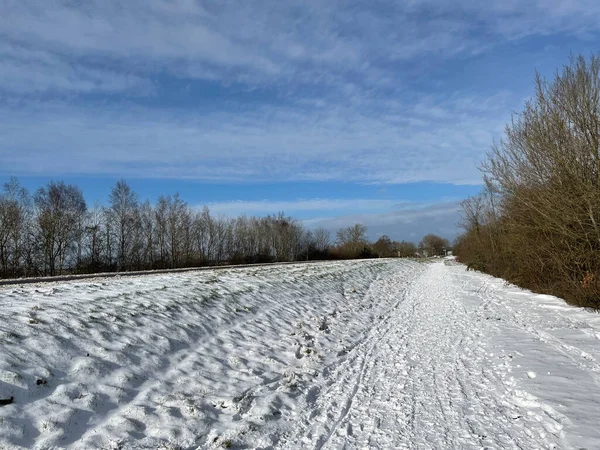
334,112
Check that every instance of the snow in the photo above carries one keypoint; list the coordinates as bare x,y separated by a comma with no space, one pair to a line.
359,354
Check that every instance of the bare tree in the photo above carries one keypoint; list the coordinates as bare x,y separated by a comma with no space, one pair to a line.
177,228
434,245
384,247
147,234
60,209
122,214
538,220
15,216
405,249
322,239
352,240
94,244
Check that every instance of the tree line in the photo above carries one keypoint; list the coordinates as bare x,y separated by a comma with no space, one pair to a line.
537,221
54,232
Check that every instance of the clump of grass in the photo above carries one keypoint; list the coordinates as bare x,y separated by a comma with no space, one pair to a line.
323,325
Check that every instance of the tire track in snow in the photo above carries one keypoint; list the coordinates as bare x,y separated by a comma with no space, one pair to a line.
358,382
426,380
327,409
475,407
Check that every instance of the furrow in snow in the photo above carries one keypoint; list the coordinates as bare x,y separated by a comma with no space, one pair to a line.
359,354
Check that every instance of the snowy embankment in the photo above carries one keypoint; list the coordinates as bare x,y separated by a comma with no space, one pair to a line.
380,354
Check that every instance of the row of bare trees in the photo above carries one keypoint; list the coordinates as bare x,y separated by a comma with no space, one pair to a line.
537,222
53,232
352,243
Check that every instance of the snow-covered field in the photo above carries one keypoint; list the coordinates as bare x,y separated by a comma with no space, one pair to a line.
362,354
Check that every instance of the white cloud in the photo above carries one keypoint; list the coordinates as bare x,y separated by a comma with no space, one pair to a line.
272,41
26,71
276,144
354,124
303,206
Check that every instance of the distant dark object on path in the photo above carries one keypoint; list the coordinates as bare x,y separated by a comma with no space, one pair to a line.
6,401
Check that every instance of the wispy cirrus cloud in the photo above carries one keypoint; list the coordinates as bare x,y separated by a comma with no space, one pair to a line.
32,71
277,144
274,41
302,207
341,91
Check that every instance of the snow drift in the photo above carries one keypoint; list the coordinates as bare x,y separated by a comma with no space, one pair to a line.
380,354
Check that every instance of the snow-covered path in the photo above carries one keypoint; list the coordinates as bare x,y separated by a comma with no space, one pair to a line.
361,354
441,370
